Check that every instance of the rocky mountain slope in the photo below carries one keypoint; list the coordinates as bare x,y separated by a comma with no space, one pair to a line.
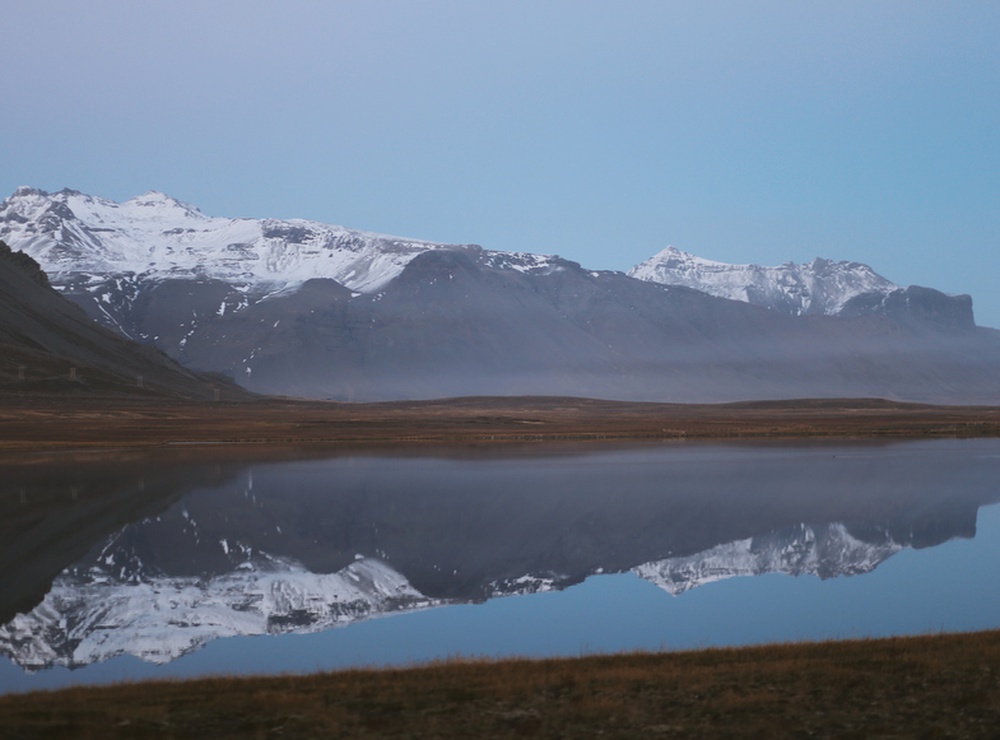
301,308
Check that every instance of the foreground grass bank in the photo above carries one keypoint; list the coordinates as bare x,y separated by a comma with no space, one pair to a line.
33,425
933,686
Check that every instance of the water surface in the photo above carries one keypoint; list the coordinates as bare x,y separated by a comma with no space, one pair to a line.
159,566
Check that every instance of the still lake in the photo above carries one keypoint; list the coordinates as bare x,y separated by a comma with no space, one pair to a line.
199,562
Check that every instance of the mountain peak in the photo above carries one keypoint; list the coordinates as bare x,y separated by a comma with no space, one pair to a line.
818,287
154,198
25,190
672,256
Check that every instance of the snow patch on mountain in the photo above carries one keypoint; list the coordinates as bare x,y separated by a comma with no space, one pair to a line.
818,287
825,551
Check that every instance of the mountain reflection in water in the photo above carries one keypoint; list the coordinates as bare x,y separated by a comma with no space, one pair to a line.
155,557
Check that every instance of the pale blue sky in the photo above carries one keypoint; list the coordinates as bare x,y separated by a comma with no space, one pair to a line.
745,132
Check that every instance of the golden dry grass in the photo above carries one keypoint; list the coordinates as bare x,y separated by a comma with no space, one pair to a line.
936,686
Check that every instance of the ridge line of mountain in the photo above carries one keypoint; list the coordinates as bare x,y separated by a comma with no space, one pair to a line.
822,286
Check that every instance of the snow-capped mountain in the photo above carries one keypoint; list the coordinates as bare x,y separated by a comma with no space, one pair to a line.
155,236
305,309
83,240
819,287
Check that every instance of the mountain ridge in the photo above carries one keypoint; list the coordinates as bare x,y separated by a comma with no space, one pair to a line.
307,309
153,235
157,236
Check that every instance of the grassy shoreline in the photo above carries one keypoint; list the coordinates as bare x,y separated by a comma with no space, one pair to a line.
59,425
937,685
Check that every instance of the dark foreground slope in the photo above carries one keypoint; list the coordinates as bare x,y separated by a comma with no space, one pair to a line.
934,686
48,345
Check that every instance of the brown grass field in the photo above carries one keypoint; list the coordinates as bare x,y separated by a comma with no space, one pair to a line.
935,686
36,425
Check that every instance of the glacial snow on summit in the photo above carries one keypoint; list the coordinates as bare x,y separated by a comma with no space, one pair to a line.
155,236
76,236
818,287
